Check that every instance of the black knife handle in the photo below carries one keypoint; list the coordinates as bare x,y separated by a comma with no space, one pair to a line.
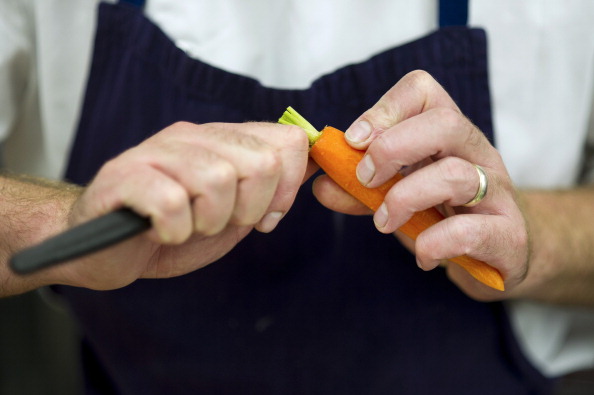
83,239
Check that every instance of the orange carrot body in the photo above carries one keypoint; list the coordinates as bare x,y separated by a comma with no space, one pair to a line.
339,160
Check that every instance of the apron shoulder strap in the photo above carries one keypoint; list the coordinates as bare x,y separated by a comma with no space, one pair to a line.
453,13
136,3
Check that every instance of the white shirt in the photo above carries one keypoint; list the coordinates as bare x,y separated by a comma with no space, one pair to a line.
541,60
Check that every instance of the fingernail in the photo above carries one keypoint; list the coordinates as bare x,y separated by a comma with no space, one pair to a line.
380,218
365,170
359,132
270,221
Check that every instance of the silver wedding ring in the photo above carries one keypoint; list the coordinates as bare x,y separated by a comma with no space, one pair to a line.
482,188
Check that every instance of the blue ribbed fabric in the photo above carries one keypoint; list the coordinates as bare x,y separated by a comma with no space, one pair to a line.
324,304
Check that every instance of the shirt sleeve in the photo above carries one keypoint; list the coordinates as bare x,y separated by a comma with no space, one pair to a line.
16,59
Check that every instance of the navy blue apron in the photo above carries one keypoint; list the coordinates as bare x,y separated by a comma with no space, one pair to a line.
348,314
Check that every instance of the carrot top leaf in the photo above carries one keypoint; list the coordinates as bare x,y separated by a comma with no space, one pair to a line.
292,117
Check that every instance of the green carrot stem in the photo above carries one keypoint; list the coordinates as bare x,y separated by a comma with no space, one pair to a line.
292,117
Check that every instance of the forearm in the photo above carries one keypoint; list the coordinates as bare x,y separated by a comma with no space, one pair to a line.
561,228
30,211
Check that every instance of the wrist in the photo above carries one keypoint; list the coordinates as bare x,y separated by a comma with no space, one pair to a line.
31,210
559,263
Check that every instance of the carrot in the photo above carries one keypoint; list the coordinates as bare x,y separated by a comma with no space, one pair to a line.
339,160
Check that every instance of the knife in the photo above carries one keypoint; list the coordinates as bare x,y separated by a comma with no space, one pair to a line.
81,240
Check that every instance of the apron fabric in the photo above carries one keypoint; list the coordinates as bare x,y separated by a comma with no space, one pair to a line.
347,314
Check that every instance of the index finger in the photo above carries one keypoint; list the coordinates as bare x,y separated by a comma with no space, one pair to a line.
414,94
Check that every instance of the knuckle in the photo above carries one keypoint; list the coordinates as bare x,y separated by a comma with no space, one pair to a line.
296,137
171,130
419,77
383,152
172,199
266,164
421,249
387,111
455,170
383,145
181,125
220,175
425,249
455,123
381,116
420,81
466,233
450,117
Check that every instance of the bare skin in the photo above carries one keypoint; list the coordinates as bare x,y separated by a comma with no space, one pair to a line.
540,241
207,186
204,187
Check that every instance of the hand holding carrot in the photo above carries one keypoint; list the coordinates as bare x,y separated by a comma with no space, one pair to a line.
416,128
